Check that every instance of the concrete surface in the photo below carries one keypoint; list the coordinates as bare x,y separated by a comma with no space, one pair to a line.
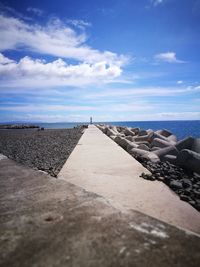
99,165
47,222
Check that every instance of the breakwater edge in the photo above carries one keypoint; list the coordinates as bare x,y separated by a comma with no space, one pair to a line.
172,161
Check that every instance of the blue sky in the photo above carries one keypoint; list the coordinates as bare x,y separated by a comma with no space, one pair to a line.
112,60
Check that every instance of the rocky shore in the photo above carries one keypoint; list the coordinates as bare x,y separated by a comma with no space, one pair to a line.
176,163
44,150
18,126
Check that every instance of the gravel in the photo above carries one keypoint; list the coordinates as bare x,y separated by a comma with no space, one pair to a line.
184,183
45,150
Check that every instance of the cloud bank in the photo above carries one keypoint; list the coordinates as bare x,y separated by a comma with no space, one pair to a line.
55,38
30,72
60,41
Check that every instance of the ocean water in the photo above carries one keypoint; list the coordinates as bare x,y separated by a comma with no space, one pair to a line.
181,129
59,125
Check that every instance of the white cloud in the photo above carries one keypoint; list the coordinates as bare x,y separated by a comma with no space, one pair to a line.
143,92
45,108
4,60
45,118
56,39
179,82
169,57
180,115
35,11
30,117
81,24
157,2
9,10
30,72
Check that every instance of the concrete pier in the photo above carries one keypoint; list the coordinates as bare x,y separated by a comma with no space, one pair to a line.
99,165
48,222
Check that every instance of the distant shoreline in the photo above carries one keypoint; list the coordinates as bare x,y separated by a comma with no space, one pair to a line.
181,128
18,126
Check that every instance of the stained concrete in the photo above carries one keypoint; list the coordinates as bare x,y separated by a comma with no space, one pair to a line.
99,165
47,222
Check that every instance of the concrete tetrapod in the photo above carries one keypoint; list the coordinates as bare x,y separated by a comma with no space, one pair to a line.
157,142
189,160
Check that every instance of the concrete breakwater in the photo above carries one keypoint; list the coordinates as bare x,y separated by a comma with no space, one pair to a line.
176,163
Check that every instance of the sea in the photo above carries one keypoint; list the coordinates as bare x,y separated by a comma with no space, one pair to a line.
181,128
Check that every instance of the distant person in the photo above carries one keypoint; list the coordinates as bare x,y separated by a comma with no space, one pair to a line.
90,120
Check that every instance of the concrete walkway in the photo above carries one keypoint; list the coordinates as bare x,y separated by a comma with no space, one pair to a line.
99,165
48,222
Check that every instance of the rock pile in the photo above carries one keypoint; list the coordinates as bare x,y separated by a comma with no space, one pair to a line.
176,163
185,184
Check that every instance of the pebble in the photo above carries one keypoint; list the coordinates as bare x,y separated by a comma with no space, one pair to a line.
175,184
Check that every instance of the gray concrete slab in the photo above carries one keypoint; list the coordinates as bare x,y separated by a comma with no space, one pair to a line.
99,165
47,222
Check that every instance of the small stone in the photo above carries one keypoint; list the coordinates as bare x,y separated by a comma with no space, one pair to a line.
187,192
197,206
185,198
186,183
191,202
161,178
175,184
197,194
195,186
167,180
174,177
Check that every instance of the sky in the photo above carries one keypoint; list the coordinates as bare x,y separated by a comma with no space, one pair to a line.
130,60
